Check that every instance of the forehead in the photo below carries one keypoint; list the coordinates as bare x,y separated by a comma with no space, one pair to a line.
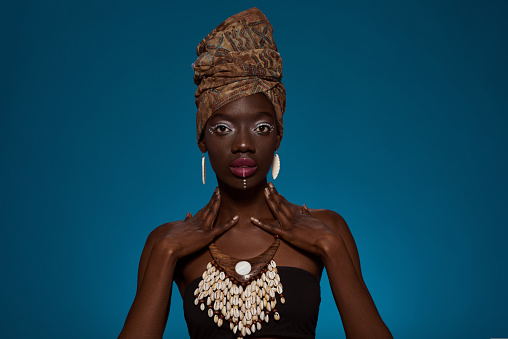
251,106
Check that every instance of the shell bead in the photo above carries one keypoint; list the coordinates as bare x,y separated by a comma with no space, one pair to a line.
275,166
242,268
244,304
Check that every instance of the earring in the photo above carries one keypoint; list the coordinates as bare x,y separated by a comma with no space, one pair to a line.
203,169
275,166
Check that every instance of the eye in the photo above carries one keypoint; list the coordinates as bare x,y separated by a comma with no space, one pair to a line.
221,129
263,128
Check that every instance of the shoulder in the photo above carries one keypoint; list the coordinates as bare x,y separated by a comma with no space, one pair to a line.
337,224
332,219
154,236
159,232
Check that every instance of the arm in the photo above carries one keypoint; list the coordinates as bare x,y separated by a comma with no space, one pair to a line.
339,254
148,314
326,234
164,247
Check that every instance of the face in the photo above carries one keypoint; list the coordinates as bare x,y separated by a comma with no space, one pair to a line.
241,138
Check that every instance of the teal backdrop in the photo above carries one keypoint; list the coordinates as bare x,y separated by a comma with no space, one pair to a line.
396,118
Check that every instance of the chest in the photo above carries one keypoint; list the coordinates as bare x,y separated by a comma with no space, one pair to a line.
245,244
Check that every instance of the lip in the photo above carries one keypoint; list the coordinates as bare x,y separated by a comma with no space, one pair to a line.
243,167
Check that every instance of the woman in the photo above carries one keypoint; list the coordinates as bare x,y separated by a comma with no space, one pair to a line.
248,264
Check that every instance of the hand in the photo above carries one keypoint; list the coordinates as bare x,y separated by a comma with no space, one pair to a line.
296,225
192,234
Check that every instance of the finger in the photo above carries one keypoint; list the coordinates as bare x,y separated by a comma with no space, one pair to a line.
278,211
224,227
279,199
305,210
204,210
274,229
212,210
272,189
274,206
188,216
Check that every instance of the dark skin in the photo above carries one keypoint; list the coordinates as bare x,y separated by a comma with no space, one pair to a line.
242,222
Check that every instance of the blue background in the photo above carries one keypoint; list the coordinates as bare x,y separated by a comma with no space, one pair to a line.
396,118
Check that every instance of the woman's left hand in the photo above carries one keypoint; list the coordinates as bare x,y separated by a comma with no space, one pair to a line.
296,225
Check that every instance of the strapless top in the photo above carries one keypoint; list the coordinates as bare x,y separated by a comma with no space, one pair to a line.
298,315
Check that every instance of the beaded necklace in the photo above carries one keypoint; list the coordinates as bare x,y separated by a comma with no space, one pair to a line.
240,291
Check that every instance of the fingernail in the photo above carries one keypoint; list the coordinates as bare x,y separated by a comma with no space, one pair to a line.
235,217
254,219
270,184
267,191
305,206
217,191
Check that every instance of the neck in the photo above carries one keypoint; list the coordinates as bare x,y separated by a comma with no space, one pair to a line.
244,203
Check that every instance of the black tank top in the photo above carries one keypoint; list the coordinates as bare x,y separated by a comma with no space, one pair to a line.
298,316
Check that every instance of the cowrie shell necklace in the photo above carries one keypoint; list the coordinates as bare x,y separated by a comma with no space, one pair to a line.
240,291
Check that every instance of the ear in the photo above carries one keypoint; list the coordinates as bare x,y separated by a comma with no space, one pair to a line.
277,142
202,145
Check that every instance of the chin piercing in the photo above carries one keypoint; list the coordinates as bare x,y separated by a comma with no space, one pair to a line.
244,184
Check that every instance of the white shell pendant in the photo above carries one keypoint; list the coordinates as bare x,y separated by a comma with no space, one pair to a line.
203,169
243,267
275,166
244,304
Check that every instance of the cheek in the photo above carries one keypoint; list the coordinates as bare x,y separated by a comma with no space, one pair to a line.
217,153
267,151
271,146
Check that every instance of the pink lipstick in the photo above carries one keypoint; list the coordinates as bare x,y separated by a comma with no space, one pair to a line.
243,167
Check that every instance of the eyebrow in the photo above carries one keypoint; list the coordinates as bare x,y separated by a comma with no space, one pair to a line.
224,116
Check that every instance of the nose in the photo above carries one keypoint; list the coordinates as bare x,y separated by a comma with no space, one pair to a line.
243,142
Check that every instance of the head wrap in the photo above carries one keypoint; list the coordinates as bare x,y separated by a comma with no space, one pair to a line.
237,59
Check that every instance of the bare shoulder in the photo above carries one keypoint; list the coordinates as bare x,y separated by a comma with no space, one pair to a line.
332,219
158,233
154,236
337,223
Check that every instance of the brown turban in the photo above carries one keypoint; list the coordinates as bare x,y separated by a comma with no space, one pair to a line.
237,59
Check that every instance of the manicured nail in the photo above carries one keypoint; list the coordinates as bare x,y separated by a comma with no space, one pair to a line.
270,184
267,191
254,219
235,217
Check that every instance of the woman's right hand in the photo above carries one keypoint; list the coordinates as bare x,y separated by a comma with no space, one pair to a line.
195,232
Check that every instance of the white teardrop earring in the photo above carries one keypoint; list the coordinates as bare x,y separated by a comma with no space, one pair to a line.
275,166
203,169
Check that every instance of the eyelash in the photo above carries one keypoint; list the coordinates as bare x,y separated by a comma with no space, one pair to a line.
270,127
213,129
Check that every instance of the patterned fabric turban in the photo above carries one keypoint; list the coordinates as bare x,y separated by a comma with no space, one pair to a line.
237,59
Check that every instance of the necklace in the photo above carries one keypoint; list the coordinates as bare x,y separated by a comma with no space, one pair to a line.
240,291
